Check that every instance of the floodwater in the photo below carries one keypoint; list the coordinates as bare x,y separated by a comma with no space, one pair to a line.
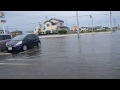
92,56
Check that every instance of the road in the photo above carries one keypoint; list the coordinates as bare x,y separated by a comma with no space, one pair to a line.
92,56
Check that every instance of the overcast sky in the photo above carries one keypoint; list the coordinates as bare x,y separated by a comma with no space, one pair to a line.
27,20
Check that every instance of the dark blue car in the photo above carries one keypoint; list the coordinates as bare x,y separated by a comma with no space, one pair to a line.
23,42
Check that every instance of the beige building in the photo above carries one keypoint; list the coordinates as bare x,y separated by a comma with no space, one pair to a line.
74,28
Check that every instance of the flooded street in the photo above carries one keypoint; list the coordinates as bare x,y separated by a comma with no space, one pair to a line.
92,56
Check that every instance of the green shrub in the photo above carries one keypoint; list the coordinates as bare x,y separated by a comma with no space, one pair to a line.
62,31
48,32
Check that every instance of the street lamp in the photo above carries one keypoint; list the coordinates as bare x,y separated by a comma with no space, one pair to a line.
92,22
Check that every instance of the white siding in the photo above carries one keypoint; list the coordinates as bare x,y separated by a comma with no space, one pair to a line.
47,24
6,32
51,27
84,29
36,29
59,23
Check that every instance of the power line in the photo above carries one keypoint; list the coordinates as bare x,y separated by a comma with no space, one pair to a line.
25,15
23,19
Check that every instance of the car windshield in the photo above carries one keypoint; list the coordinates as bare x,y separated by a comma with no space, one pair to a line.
20,37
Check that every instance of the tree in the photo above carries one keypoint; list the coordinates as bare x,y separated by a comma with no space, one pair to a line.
48,32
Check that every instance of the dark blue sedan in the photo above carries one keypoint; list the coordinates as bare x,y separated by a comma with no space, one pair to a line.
23,42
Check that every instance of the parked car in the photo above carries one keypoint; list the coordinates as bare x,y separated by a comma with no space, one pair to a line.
3,40
23,42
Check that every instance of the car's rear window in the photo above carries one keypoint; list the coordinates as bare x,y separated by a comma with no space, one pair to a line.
4,37
1,37
7,37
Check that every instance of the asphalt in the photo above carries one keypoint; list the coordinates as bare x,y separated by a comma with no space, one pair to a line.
92,56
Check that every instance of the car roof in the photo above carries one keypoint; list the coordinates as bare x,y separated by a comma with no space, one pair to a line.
28,34
5,34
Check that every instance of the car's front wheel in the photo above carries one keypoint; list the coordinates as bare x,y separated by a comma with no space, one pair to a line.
38,45
24,48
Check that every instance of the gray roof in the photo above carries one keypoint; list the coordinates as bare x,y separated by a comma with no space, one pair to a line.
53,19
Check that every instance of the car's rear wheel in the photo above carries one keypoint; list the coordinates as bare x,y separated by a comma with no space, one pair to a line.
38,45
24,48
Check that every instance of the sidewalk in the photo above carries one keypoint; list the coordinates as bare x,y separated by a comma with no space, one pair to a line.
48,36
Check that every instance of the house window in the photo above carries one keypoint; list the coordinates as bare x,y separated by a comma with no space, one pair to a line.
48,25
53,23
61,24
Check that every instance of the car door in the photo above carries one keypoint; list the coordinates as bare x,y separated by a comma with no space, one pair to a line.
28,40
1,42
6,38
35,41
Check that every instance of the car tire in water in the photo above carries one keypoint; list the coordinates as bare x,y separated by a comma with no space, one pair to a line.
24,48
38,44
8,51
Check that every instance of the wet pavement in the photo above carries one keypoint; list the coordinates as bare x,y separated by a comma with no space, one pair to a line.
92,56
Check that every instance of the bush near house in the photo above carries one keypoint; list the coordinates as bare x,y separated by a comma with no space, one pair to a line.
39,31
48,32
87,31
62,31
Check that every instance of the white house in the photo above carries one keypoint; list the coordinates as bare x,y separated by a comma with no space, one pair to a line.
53,25
37,28
84,28
99,28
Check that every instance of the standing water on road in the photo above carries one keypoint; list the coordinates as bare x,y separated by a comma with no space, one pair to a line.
90,56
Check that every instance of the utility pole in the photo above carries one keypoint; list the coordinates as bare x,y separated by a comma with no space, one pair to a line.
111,20
77,23
92,22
